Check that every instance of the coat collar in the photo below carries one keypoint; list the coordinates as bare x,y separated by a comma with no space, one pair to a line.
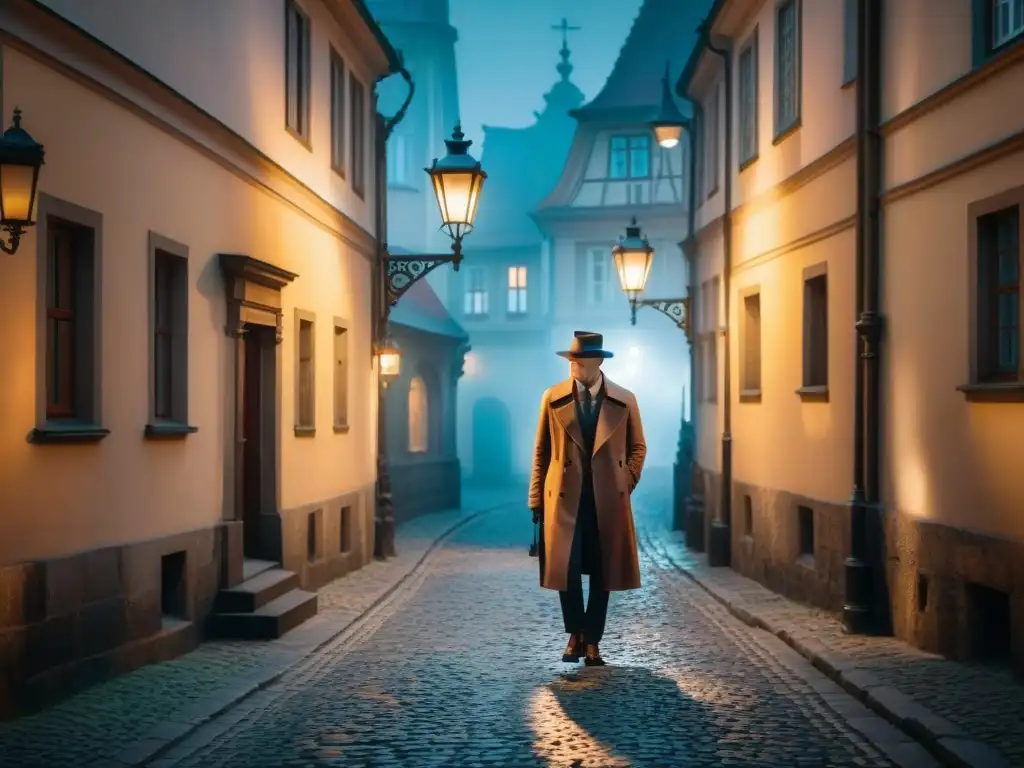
608,420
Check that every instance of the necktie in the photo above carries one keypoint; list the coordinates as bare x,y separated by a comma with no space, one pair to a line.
588,404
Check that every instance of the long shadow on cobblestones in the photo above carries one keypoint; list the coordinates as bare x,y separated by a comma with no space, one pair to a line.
631,711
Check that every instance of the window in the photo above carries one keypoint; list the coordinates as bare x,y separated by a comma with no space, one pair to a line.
709,339
475,302
398,160
787,66
748,102
1007,21
337,113
169,351
296,70
700,149
340,376
805,531
850,23
418,415
711,139
305,412
750,381
816,331
599,267
629,157
358,135
999,329
517,290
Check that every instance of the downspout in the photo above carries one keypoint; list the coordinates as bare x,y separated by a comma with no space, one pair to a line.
720,542
863,611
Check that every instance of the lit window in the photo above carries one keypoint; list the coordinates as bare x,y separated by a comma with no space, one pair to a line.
418,421
517,290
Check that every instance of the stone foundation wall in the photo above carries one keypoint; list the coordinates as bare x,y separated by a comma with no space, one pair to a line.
69,622
325,540
422,487
950,591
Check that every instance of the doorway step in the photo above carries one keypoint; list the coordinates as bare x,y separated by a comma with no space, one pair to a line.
267,604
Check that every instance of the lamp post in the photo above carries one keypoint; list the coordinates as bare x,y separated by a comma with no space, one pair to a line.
456,180
21,157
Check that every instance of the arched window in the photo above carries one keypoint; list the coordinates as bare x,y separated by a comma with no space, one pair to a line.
419,420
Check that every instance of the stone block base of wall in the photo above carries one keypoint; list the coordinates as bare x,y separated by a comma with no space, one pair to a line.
949,591
69,622
325,540
425,486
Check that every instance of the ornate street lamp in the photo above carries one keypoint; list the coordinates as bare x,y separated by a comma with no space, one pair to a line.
457,180
633,257
21,157
668,125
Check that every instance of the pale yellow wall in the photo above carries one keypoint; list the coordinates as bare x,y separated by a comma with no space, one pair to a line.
57,499
708,413
228,57
946,460
926,44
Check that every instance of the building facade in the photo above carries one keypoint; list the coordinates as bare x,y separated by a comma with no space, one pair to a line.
502,294
190,399
881,353
615,172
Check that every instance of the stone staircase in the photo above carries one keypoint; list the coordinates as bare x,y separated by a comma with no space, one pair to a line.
267,604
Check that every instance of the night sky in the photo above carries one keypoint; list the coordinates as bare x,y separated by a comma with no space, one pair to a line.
507,53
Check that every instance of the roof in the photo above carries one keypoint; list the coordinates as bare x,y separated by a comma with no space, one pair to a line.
693,62
420,309
393,57
663,31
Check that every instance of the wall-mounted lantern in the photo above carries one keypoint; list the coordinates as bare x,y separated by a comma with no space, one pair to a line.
21,157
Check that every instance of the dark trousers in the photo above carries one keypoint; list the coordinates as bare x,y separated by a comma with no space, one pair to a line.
585,557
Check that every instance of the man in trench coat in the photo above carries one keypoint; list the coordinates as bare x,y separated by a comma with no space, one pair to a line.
587,459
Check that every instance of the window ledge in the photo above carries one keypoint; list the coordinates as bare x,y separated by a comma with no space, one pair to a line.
515,315
994,392
341,429
475,316
403,186
747,163
785,133
848,83
67,432
301,138
168,430
305,431
750,395
815,394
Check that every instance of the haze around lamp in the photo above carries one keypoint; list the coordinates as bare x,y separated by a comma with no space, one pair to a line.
633,257
457,180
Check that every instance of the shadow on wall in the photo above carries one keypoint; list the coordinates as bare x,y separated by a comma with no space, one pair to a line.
492,442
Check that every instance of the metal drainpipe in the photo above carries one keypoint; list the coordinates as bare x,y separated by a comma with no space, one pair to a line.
863,611
720,542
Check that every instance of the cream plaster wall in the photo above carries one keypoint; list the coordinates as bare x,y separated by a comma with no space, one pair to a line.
709,414
141,179
228,57
947,460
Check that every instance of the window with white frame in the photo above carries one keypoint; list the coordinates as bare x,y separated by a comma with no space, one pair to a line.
599,276
629,157
787,66
748,101
1007,21
711,142
475,299
517,290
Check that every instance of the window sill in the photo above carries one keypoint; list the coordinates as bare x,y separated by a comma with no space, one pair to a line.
847,84
168,430
474,316
515,315
359,191
785,133
341,429
305,431
67,432
815,394
748,162
994,392
303,140
339,170
750,395
403,186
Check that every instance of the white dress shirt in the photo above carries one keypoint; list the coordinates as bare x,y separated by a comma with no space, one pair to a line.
594,388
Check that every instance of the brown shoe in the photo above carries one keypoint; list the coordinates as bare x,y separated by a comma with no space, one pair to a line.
574,649
593,656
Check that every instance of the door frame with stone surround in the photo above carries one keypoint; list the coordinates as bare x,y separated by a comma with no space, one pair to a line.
253,290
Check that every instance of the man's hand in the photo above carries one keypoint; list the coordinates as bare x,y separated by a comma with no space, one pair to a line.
537,514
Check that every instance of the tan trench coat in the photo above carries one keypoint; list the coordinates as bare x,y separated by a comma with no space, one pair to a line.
557,479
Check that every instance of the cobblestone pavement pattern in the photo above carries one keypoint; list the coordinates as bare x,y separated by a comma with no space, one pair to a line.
101,722
462,668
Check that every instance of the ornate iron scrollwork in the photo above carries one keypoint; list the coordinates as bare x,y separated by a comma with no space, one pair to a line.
677,310
403,271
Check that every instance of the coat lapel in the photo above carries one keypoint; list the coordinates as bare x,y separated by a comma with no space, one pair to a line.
564,408
614,412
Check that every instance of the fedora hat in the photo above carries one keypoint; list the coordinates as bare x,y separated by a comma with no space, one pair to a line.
586,344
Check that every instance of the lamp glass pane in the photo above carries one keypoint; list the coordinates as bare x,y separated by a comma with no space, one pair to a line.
667,135
634,267
456,196
16,188
390,363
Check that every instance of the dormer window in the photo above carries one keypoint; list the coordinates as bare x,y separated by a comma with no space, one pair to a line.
629,157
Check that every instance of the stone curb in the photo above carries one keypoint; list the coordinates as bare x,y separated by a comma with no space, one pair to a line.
946,742
168,734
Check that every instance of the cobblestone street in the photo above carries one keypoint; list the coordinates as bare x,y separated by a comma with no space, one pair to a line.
461,667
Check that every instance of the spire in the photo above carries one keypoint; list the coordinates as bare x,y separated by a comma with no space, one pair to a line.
564,67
